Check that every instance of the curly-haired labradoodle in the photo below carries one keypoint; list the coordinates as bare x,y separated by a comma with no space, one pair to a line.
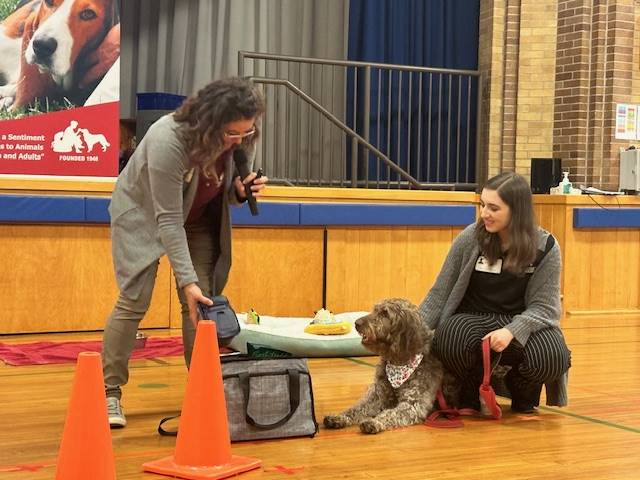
407,377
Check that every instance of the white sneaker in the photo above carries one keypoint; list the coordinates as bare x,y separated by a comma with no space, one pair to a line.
116,415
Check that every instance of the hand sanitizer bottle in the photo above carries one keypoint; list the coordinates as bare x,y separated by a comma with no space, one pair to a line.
565,184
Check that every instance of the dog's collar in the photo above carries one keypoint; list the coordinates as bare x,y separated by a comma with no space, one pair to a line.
398,374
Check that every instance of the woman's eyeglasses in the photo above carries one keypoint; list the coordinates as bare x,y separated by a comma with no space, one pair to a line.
239,136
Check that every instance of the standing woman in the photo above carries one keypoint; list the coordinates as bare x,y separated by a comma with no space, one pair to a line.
173,198
501,281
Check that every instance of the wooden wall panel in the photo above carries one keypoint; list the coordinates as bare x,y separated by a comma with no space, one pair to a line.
366,265
66,270
277,271
602,271
628,261
552,218
579,267
60,278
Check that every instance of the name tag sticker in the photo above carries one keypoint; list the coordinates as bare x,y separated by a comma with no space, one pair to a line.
482,265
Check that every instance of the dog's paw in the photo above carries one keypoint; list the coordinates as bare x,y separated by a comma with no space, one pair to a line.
335,421
371,425
7,95
6,102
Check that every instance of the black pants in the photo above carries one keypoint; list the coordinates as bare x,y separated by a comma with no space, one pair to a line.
457,343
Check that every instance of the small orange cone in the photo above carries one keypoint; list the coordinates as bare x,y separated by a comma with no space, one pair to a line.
203,446
86,450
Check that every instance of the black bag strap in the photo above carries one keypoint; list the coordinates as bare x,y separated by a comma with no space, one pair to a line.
167,433
547,248
294,399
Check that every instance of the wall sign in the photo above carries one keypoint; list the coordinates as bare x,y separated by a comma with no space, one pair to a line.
59,111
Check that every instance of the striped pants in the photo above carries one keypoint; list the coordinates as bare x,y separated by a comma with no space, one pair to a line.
457,343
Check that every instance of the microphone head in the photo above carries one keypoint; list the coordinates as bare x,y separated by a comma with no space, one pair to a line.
241,161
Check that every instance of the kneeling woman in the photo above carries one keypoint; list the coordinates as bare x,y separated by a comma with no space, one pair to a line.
501,281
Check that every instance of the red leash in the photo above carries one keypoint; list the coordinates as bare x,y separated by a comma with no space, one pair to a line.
487,395
449,417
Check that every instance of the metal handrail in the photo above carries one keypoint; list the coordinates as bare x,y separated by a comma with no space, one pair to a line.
346,63
413,167
336,121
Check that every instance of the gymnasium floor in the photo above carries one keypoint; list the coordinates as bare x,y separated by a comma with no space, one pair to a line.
596,437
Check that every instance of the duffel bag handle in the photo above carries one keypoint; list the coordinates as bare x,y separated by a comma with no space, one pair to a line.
294,399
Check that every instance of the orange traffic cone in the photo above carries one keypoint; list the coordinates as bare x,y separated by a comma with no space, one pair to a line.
86,450
203,446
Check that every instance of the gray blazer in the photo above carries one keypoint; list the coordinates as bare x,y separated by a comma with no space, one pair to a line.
150,203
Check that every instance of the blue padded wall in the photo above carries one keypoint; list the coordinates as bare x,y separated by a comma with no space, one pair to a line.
66,209
41,209
359,214
606,217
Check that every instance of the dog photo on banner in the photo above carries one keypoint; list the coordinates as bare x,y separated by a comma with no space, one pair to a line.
59,63
70,46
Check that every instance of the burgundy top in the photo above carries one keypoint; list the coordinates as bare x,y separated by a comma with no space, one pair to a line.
208,189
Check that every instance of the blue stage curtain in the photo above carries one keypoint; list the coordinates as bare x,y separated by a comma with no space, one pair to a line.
428,33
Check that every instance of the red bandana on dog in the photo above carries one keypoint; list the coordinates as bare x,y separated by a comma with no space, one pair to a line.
398,374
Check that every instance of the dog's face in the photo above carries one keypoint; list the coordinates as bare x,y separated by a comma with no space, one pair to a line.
394,330
62,30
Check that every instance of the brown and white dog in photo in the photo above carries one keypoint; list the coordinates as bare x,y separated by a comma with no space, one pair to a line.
65,46
407,377
11,33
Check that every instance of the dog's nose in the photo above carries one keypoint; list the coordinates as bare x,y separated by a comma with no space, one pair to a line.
44,47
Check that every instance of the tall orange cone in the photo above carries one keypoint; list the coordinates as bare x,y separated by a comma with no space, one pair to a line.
86,450
203,446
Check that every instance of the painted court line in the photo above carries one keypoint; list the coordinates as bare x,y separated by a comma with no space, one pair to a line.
590,419
547,409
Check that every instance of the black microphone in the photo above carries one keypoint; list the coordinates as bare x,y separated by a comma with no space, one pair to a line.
242,165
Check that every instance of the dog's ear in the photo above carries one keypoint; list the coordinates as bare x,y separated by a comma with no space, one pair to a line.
408,333
416,335
96,64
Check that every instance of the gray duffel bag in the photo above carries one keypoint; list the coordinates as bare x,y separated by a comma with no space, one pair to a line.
268,398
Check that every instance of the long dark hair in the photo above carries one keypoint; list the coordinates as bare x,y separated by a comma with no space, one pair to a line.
514,190
205,114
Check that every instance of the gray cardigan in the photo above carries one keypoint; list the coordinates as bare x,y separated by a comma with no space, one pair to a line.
542,296
150,203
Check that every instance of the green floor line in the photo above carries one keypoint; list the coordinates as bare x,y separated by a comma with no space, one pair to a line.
547,409
590,419
361,362
159,361
153,385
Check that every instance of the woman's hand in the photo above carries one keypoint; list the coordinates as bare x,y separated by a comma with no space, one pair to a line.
193,294
256,188
499,339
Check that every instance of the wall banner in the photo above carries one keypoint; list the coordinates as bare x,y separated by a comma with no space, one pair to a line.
59,87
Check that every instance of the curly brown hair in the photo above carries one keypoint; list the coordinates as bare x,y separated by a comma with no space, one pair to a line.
205,114
514,190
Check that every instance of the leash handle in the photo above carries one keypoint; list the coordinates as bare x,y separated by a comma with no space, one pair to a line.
488,402
486,362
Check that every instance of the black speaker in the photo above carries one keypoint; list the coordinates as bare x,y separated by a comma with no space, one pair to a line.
545,173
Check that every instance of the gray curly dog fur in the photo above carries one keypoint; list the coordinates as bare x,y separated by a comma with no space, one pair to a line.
395,331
